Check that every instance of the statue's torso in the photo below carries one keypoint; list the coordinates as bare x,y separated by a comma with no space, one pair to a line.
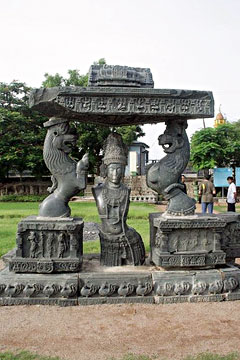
112,207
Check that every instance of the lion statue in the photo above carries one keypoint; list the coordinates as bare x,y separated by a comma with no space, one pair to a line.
164,175
68,176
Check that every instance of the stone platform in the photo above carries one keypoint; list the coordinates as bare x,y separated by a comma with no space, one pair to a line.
102,285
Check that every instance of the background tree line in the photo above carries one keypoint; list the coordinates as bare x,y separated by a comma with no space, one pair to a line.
216,147
22,134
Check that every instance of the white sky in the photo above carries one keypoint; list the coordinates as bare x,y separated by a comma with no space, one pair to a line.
189,44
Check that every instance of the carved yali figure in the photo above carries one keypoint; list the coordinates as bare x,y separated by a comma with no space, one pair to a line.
164,176
120,244
68,177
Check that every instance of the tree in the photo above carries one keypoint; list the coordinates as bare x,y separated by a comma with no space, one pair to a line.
212,147
91,136
21,132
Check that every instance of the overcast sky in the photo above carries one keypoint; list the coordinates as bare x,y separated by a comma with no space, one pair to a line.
188,44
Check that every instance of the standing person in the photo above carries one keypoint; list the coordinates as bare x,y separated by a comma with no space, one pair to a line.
231,194
183,183
207,190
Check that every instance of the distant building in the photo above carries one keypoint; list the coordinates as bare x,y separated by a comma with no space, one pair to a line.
220,120
137,159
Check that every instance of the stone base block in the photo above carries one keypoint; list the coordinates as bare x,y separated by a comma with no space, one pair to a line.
102,285
197,286
188,241
46,245
33,289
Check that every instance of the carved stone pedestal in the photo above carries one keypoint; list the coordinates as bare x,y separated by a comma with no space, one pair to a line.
38,289
97,284
194,241
212,285
47,245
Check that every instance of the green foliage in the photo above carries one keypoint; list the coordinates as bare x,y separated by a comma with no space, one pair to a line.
135,357
21,132
101,61
74,78
22,198
12,212
209,356
212,147
24,355
14,96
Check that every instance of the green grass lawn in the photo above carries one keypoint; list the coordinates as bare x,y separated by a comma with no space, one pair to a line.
25,355
12,212
223,208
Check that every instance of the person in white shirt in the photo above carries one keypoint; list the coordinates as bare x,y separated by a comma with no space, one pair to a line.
231,195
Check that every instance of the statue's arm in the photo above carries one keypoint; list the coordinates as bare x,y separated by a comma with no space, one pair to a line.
81,172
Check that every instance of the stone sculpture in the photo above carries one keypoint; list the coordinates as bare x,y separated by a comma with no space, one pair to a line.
46,246
120,244
164,176
53,243
68,177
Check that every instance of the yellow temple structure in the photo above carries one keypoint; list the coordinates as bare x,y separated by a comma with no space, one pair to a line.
219,120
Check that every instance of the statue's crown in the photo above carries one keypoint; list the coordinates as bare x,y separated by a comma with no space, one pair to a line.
115,151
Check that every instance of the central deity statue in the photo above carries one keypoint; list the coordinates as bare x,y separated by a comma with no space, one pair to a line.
120,244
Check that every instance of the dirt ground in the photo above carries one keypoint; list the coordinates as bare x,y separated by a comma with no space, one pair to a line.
102,331
99,332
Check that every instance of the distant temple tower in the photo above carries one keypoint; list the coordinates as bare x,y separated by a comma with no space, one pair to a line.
220,120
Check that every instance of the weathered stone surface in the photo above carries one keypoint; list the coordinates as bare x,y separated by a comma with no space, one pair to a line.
164,175
230,242
32,289
193,241
196,286
120,244
187,232
114,286
46,245
116,75
68,176
122,106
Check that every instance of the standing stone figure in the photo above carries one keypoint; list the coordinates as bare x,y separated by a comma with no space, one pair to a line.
34,244
120,244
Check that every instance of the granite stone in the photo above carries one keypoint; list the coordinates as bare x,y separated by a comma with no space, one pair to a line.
46,245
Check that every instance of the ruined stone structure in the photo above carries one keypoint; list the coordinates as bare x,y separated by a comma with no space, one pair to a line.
196,252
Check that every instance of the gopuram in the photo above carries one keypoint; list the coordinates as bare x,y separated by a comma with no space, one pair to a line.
192,256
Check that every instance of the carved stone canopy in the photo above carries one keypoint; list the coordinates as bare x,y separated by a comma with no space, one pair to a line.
120,95
116,75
